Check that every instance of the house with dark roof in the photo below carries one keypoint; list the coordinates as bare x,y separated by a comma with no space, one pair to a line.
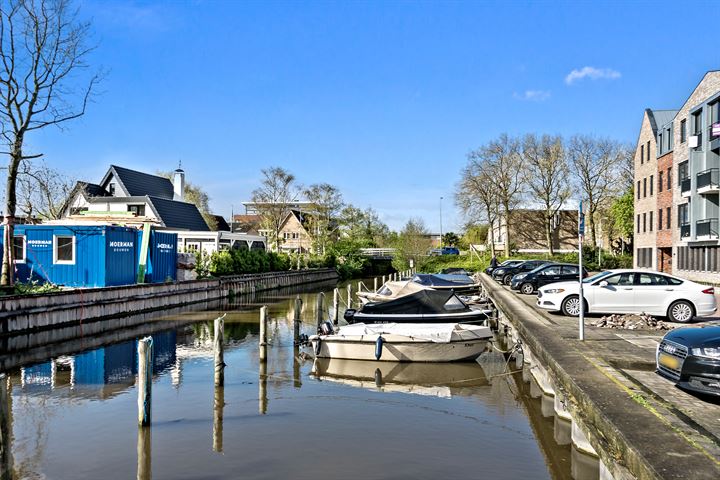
123,193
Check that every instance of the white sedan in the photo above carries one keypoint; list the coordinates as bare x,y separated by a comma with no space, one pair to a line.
631,291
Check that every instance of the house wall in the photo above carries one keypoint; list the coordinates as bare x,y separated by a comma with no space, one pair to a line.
527,231
645,164
293,227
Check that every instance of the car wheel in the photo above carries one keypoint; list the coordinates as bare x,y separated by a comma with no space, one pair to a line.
681,311
527,288
571,306
507,279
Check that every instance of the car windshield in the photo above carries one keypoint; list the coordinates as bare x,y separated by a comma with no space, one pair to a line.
597,276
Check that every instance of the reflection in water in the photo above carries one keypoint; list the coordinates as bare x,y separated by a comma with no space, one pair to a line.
297,382
144,453
5,428
218,407
262,385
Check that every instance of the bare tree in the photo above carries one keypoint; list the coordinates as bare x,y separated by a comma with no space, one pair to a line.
546,176
43,47
272,199
412,244
475,195
597,168
328,202
42,191
504,169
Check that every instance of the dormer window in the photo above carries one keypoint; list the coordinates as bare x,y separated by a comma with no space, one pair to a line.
111,189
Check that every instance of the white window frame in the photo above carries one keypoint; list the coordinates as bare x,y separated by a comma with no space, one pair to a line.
24,246
55,250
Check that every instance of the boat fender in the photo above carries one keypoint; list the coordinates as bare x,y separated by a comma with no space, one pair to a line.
318,344
378,347
378,378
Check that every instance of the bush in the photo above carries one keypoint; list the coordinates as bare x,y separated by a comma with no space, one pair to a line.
237,262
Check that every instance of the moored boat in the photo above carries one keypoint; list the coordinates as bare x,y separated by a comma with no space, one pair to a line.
447,342
440,281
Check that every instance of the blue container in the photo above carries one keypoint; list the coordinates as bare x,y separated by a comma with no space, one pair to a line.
77,255
162,253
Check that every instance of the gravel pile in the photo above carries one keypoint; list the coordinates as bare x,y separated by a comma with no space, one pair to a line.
631,322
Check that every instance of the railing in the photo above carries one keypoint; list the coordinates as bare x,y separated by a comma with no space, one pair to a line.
708,178
706,228
377,252
685,185
684,230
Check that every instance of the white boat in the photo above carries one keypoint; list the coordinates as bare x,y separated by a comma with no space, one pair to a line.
404,342
390,291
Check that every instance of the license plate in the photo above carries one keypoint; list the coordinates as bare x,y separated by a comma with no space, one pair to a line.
669,361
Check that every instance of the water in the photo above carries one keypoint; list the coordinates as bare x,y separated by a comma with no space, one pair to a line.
73,413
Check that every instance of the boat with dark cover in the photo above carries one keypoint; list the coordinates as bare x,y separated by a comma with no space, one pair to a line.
425,306
439,281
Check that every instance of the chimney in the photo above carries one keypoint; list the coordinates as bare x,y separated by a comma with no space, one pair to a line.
179,185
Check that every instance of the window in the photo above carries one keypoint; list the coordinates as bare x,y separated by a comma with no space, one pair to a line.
697,122
682,214
19,248
682,172
642,154
652,182
138,210
669,178
638,223
569,270
552,270
644,187
638,189
620,279
111,189
667,217
651,221
647,151
683,130
660,223
644,222
660,143
669,136
63,249
660,182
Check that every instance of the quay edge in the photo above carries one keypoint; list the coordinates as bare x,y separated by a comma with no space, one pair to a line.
630,439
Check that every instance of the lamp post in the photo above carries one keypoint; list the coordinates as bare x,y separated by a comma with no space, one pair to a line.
441,242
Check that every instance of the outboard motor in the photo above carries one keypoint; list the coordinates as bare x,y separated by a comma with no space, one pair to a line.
326,328
349,315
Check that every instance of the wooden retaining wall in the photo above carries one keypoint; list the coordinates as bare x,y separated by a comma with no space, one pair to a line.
37,312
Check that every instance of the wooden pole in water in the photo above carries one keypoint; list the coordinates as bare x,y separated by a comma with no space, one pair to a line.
219,332
6,461
383,279
218,407
296,319
336,306
145,372
349,296
375,286
144,453
263,334
319,304
262,394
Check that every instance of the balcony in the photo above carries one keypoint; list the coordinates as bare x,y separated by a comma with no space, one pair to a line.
685,230
685,187
707,181
706,229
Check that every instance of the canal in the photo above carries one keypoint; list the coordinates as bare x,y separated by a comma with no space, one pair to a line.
70,410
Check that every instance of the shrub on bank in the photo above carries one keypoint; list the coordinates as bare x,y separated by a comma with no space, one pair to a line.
237,262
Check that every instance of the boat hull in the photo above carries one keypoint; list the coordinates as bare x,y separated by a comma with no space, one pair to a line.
460,317
398,350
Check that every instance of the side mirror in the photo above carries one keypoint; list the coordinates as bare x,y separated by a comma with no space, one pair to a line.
603,284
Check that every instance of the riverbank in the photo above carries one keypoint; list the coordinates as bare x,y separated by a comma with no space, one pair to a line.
39,312
638,423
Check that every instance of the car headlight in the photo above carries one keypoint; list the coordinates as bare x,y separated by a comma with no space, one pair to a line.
500,270
520,276
710,352
554,290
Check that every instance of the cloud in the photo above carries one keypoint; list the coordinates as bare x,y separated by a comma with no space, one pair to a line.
592,73
532,95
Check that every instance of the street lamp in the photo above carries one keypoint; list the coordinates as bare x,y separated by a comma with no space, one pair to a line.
441,241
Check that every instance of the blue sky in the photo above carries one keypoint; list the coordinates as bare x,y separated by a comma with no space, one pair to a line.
383,99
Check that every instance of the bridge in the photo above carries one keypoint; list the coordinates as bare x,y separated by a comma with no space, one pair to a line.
378,253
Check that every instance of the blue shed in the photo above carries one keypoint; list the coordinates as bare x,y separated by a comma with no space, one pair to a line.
162,256
76,255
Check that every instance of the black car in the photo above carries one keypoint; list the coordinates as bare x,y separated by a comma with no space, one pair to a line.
690,357
505,274
506,263
529,282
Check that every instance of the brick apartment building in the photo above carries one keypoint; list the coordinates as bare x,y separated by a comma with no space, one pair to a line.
677,186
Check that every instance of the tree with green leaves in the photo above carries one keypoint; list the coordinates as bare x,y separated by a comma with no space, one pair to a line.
450,239
364,225
622,214
197,196
413,243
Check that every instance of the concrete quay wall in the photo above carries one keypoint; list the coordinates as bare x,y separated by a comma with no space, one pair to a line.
38,312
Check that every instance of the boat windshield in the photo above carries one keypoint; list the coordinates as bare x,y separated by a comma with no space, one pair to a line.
597,276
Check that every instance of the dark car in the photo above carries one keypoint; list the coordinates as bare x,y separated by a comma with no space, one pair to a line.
505,274
449,251
490,270
529,282
690,357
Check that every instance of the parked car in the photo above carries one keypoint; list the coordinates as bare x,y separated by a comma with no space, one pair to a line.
489,270
631,291
529,282
691,358
449,251
505,274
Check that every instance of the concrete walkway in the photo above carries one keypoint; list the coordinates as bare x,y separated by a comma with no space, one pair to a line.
637,419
